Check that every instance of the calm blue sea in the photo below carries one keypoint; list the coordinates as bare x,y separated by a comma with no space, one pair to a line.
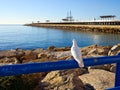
26,37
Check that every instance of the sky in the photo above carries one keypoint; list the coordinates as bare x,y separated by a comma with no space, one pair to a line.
26,11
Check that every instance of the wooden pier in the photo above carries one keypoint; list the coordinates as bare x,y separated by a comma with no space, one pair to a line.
88,22
105,26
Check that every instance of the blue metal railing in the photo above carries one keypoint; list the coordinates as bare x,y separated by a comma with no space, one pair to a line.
17,69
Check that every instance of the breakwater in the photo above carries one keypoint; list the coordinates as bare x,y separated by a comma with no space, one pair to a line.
79,27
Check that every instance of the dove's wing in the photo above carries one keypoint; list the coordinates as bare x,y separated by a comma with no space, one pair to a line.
77,55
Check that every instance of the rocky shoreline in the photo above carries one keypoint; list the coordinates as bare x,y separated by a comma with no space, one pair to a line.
68,79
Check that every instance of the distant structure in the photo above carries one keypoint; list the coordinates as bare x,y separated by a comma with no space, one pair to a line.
47,21
103,20
107,17
38,21
69,17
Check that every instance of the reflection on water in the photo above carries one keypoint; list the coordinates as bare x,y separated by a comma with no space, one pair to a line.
106,39
12,37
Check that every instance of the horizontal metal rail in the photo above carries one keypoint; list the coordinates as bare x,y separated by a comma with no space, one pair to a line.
115,88
17,69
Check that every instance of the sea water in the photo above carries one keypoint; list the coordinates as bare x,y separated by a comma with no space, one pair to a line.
27,37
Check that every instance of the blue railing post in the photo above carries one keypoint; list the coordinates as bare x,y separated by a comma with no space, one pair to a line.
117,75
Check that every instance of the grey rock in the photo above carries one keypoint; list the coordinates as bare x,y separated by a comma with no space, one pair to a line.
55,81
114,50
99,79
37,51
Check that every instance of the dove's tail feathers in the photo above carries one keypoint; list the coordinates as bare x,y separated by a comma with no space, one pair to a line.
81,64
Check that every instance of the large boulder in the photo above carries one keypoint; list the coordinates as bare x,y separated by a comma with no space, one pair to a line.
51,48
95,50
29,55
62,49
8,53
19,54
42,55
114,50
62,55
9,61
100,79
55,80
12,53
107,67
37,51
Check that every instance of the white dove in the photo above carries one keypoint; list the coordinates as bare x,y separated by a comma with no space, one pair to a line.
76,53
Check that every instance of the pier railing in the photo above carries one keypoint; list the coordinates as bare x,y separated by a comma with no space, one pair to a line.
17,69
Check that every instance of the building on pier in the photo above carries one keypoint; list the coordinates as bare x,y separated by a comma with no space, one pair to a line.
107,17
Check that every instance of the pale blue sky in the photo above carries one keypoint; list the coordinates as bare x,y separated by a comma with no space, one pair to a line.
26,11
